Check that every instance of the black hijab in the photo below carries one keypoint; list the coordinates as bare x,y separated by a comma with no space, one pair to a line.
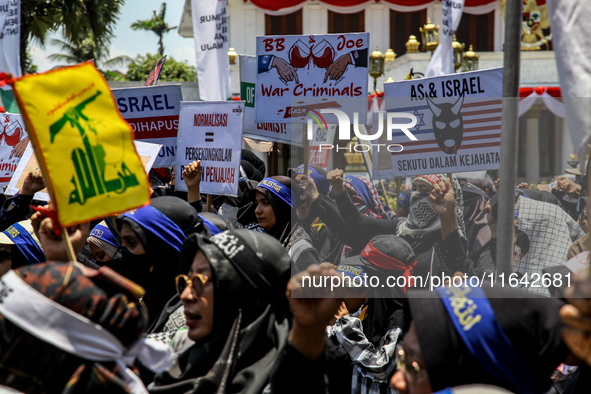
530,322
155,270
250,309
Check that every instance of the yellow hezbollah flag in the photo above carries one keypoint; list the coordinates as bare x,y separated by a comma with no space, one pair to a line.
83,145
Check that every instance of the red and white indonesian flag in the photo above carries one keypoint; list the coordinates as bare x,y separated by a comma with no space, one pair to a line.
210,30
442,62
571,33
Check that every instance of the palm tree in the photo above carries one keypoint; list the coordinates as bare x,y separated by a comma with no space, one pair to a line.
85,50
157,25
78,18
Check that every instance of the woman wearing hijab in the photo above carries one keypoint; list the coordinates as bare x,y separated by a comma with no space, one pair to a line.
497,336
277,202
152,237
233,293
19,247
103,245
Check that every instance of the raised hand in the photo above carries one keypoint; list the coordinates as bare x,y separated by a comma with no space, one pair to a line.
443,199
313,308
335,178
32,183
192,174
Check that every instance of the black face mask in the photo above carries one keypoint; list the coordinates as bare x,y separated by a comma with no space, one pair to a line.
135,267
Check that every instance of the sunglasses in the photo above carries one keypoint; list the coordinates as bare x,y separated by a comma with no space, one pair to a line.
412,370
197,283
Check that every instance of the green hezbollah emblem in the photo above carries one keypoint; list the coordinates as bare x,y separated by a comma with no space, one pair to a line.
89,163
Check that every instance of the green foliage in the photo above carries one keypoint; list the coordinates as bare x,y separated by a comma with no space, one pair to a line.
77,18
156,24
85,50
114,76
140,67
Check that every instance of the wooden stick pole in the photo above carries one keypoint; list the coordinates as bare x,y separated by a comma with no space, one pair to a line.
68,245
306,145
208,207
385,194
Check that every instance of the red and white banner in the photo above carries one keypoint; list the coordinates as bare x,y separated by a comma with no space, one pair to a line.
285,7
458,126
551,96
153,113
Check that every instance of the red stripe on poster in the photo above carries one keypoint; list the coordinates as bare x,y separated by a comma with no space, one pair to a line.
155,127
427,150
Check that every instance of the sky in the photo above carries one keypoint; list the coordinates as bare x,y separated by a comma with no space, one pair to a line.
129,42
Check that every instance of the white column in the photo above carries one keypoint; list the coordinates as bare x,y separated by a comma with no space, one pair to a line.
315,19
377,23
499,29
254,25
532,157
435,13
567,143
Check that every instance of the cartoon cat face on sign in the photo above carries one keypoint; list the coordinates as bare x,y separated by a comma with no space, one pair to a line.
448,125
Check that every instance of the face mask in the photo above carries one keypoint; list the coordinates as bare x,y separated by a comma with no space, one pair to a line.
421,210
228,211
134,267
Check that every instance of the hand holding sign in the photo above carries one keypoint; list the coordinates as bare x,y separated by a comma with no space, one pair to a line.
443,199
192,174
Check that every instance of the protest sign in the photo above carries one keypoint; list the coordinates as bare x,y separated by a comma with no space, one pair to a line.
277,132
147,152
154,74
85,148
319,155
210,30
153,113
211,132
442,61
13,141
318,72
10,35
458,124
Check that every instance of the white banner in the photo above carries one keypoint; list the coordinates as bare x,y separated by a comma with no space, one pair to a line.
153,113
13,142
210,30
10,35
147,152
458,124
277,132
442,61
570,20
315,72
211,132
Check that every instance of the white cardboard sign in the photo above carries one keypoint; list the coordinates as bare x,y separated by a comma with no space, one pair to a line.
296,74
211,131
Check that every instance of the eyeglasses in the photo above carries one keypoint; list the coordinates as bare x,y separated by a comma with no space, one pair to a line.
197,283
412,371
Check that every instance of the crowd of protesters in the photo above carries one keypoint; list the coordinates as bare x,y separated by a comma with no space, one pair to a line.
197,295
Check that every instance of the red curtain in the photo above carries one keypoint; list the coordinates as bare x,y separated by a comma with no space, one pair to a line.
274,5
553,91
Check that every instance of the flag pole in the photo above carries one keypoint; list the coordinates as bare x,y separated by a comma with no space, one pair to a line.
509,127
68,245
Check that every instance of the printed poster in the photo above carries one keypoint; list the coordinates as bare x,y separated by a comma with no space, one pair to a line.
13,142
458,124
315,72
153,113
211,131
